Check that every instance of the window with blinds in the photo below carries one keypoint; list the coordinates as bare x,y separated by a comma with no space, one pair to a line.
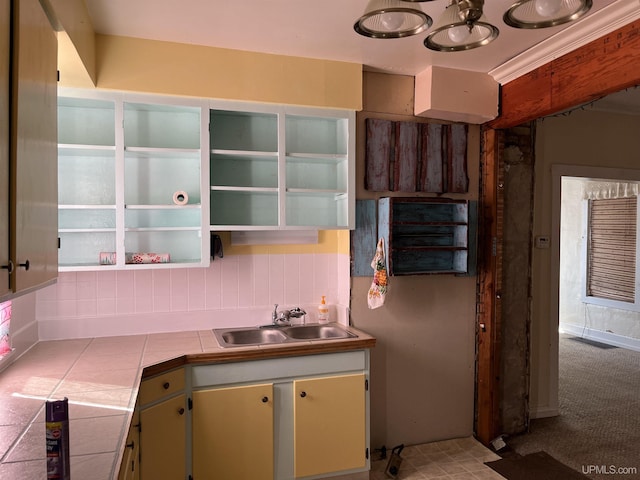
611,249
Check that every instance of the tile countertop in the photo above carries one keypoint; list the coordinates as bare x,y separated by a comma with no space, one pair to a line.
101,377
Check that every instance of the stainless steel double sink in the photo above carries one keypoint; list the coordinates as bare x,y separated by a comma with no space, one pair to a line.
271,334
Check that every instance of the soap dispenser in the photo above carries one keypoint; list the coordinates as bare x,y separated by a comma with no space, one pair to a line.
323,311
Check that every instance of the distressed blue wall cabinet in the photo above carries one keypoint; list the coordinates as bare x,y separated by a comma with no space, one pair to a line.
426,235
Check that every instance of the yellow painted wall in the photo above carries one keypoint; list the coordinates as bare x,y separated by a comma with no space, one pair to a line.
76,42
167,68
329,241
132,64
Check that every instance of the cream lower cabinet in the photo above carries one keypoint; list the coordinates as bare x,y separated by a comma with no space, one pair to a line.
130,464
284,418
233,433
163,427
329,424
163,440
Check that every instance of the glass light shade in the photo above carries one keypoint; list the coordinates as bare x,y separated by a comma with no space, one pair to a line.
545,13
392,19
451,34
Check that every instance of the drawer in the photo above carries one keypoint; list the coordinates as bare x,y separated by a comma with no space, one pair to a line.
279,369
160,386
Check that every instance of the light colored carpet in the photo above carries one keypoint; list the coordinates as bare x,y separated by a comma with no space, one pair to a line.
598,430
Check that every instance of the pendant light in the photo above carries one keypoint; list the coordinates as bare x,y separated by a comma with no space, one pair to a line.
545,13
392,19
461,27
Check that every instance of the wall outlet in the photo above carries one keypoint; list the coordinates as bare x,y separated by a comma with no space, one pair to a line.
542,241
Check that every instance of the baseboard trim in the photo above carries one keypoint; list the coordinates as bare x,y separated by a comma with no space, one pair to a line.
543,412
600,336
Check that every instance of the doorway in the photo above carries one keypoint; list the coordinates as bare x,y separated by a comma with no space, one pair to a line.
546,90
566,180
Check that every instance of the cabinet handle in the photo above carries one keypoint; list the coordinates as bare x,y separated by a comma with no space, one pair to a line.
303,394
166,385
24,265
181,411
265,399
8,267
130,445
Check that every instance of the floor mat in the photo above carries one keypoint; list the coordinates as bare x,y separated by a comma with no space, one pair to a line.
535,466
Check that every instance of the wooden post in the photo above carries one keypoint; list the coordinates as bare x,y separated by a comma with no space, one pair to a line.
489,285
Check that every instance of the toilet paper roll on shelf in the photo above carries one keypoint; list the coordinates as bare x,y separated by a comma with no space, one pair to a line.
180,198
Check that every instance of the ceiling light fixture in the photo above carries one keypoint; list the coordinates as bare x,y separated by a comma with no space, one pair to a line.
461,27
545,13
392,19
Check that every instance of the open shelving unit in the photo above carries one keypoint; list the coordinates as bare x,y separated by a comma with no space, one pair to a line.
86,180
279,168
425,235
122,160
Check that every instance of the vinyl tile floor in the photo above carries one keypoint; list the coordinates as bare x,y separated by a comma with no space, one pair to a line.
458,459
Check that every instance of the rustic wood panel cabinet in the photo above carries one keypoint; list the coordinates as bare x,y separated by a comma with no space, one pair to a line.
426,235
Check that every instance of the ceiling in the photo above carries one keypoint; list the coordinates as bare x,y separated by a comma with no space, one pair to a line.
324,30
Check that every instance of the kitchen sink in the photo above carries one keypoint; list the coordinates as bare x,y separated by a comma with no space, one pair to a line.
270,335
251,336
317,332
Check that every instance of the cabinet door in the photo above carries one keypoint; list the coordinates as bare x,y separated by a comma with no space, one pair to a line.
34,226
130,467
163,440
233,433
329,424
5,15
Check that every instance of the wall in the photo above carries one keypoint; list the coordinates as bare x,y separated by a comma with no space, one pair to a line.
573,142
237,290
422,380
423,369
24,327
151,66
574,314
114,303
76,41
517,165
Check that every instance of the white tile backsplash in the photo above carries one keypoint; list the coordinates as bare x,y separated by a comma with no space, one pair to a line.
236,290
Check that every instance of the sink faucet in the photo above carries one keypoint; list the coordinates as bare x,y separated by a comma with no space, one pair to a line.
283,317
297,312
280,318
